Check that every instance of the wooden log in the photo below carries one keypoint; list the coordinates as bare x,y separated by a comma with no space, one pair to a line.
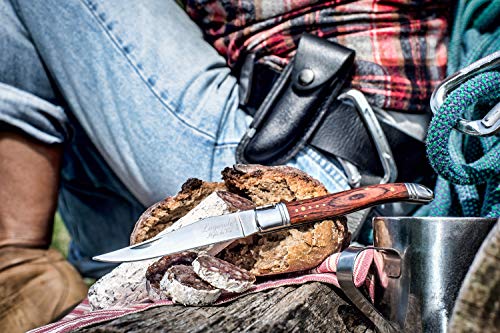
312,307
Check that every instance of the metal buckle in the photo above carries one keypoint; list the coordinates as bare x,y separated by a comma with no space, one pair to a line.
490,124
375,130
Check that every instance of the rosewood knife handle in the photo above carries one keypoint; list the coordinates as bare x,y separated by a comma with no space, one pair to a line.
330,205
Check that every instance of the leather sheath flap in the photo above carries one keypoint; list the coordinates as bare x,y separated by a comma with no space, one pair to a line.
316,62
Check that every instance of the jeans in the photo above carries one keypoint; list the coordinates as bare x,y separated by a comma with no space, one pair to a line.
140,101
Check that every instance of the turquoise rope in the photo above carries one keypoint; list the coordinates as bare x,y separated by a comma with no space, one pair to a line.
468,167
475,33
457,192
483,89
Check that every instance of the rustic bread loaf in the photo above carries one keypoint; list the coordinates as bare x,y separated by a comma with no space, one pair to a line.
290,250
280,252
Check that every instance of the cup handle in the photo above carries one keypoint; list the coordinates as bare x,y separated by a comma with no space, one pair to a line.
345,270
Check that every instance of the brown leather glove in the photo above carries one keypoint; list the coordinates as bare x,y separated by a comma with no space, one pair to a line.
36,287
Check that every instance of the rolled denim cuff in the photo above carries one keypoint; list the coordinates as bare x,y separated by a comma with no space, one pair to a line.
32,115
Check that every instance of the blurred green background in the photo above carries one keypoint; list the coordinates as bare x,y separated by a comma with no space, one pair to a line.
60,236
61,239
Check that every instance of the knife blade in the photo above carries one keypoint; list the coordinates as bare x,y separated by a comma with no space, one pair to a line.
218,229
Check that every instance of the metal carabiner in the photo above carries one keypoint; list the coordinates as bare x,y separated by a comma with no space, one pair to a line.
490,124
384,151
355,220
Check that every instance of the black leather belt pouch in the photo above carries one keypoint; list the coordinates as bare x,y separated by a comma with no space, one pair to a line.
297,103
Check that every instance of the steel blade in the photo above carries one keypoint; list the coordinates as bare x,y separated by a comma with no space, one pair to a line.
205,232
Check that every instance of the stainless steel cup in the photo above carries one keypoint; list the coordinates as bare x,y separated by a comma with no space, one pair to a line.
425,261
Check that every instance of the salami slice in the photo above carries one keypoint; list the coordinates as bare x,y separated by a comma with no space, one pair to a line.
185,287
223,275
157,270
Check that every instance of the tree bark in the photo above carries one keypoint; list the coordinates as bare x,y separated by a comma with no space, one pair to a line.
312,307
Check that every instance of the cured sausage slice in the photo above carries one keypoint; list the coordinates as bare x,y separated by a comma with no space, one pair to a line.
123,286
185,287
223,275
157,270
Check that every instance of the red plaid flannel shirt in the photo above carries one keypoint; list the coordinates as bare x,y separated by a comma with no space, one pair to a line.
400,44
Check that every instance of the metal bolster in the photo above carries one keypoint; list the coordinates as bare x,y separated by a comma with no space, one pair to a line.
272,217
419,193
375,130
247,220
490,124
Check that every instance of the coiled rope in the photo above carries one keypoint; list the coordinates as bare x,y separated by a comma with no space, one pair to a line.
468,167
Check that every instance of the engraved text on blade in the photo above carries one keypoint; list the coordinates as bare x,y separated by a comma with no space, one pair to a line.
218,230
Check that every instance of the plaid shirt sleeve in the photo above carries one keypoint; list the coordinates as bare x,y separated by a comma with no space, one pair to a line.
400,44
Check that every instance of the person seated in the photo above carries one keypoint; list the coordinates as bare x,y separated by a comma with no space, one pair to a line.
108,107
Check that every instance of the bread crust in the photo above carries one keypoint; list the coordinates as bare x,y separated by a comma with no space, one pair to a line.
271,184
164,213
